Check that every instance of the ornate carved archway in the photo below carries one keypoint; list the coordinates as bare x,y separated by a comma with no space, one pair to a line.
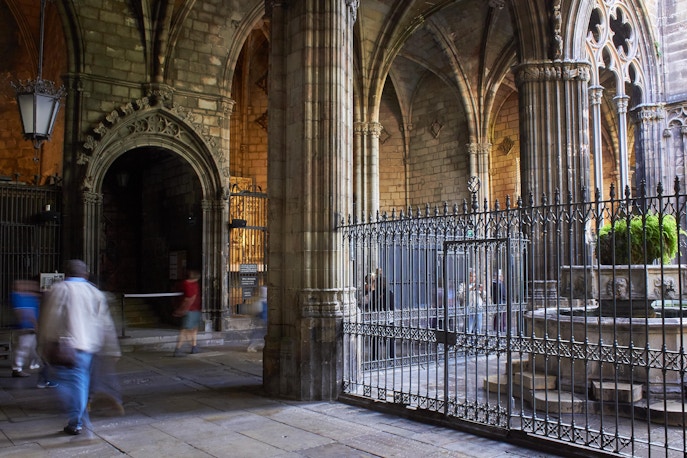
172,128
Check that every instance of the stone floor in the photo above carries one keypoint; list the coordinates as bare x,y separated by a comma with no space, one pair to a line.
211,405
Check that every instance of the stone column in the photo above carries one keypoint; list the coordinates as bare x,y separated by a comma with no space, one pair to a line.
651,165
595,97
554,155
310,186
621,102
368,200
479,167
358,181
554,132
92,209
215,294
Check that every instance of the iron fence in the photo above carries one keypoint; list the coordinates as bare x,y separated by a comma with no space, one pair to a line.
248,250
520,319
30,242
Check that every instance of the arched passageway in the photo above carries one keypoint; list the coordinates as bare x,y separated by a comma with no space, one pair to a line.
151,226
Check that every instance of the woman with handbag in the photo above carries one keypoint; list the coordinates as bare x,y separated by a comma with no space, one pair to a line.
75,322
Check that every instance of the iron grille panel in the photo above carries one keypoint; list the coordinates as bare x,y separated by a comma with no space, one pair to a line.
544,360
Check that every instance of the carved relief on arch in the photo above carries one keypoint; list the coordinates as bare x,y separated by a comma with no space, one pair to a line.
140,118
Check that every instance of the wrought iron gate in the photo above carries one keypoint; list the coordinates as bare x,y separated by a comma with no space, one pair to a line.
495,321
248,248
29,237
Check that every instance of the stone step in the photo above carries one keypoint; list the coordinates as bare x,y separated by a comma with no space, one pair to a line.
499,383
556,401
164,340
519,365
609,391
671,412
535,381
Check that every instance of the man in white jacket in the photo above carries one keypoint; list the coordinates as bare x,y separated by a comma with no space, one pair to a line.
76,310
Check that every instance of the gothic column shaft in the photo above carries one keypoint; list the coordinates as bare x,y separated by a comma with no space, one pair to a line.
310,185
366,150
554,151
651,164
215,294
595,95
623,155
358,154
479,167
554,132
92,210
371,178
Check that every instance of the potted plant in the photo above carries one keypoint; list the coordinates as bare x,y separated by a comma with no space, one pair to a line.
648,238
627,249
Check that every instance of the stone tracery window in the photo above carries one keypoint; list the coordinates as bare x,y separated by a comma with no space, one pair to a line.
616,86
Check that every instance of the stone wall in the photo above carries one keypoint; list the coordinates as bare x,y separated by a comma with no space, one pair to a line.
505,151
438,161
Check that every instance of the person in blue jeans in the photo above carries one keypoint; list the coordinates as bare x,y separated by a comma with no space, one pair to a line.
77,311
26,298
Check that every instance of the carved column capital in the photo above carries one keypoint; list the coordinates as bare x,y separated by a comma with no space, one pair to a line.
648,112
596,94
552,71
353,8
621,102
227,105
92,198
270,5
367,128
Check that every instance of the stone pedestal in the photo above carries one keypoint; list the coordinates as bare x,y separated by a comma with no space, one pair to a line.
580,347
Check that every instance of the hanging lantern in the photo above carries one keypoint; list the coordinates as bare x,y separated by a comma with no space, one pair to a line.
39,100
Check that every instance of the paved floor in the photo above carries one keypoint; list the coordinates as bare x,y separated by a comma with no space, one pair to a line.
211,405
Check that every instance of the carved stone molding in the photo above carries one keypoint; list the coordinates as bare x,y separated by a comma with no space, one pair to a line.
384,136
368,128
552,71
262,82
140,118
353,8
435,128
506,145
262,120
649,113
677,115
557,37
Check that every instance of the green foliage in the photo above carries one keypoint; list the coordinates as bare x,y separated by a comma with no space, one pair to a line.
658,236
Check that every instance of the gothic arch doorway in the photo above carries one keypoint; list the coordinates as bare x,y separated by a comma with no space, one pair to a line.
151,227
175,200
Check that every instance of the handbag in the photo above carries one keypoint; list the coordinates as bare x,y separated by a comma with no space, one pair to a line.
61,352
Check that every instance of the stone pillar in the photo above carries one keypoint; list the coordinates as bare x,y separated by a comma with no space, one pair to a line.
215,292
310,190
92,209
595,97
369,201
479,167
651,165
554,132
554,153
358,167
621,102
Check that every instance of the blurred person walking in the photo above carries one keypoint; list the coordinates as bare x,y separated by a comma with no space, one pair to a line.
75,311
26,298
189,311
25,301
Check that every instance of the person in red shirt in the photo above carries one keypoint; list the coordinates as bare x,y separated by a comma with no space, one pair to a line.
190,312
